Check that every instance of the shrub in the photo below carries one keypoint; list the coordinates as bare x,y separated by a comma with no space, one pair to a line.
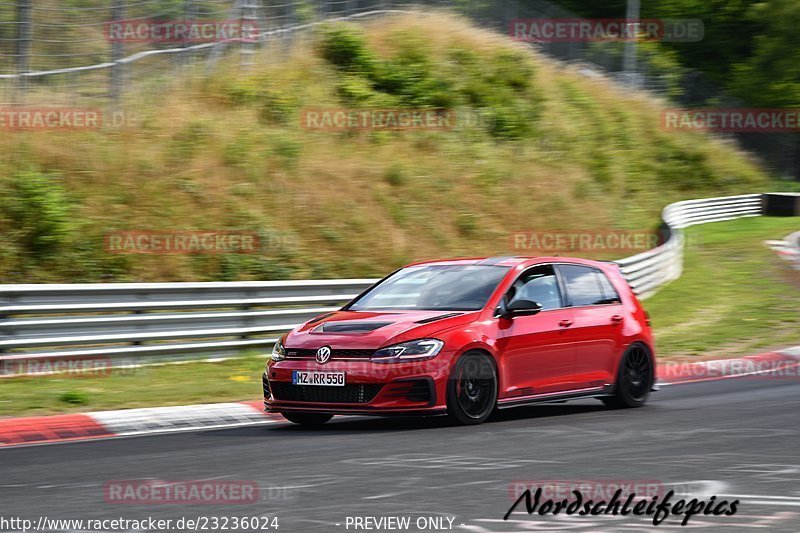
74,397
287,148
276,108
237,152
395,176
512,121
186,142
467,224
511,69
330,234
345,47
243,91
38,209
414,78
355,90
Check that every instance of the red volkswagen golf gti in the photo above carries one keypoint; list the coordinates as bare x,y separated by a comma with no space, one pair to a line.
465,337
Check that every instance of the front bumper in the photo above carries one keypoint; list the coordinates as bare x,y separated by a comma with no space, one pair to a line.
370,388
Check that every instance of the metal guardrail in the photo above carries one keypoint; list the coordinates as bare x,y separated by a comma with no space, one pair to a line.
125,324
44,327
648,271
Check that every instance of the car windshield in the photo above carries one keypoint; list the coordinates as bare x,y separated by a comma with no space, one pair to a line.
434,287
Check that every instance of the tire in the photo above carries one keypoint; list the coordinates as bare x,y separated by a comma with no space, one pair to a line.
307,419
472,389
634,379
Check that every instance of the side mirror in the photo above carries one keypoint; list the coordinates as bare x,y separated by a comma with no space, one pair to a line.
521,308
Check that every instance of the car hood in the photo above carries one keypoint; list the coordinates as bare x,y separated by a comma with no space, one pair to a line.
372,330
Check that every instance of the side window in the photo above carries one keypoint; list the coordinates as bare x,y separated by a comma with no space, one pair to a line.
539,284
583,287
610,293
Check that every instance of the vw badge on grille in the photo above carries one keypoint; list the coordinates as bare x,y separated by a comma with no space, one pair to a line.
323,355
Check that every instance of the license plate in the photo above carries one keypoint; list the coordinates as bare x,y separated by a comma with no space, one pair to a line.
325,379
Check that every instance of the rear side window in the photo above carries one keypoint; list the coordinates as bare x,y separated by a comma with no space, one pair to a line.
610,293
583,285
540,285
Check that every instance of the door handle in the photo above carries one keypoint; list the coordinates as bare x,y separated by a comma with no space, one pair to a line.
565,323
616,318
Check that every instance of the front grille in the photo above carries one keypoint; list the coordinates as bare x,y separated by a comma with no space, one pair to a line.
285,391
311,353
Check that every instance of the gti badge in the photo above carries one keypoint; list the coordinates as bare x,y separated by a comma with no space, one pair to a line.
323,355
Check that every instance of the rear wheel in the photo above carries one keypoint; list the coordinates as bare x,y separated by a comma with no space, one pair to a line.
307,419
634,380
472,389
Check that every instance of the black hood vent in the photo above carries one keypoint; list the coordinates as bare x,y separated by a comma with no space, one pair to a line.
321,317
438,317
351,326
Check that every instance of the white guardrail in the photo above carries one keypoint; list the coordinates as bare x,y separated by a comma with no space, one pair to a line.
649,270
46,327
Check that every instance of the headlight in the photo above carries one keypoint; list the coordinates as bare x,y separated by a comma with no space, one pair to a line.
408,351
278,352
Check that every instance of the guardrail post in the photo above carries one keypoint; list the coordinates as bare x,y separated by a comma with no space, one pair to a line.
246,308
4,365
137,312
117,53
24,40
287,36
632,76
190,12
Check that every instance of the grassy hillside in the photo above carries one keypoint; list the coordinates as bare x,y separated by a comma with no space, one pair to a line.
545,148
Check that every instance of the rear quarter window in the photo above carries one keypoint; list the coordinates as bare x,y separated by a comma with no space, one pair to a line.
582,284
609,292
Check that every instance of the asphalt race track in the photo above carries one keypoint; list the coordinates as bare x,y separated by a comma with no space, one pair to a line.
736,439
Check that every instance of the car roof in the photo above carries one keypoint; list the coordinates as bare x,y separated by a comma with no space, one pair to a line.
511,261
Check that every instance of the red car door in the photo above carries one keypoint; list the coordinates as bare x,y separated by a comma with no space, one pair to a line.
597,327
538,351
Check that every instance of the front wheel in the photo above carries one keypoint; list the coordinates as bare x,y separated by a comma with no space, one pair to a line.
307,419
634,380
472,389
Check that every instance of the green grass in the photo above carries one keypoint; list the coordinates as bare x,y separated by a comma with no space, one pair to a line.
735,295
173,384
